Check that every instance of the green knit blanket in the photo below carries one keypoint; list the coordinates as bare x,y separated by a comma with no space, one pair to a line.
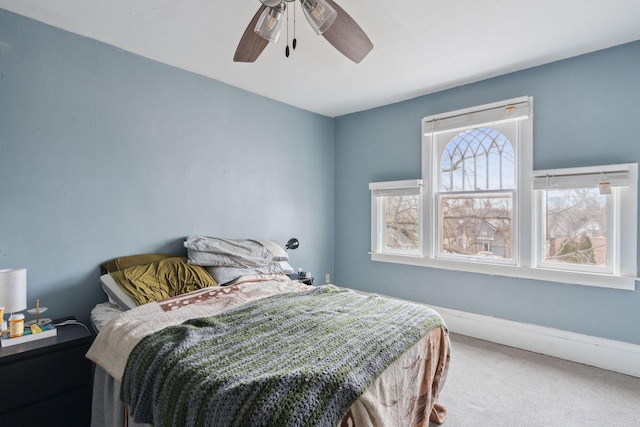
295,359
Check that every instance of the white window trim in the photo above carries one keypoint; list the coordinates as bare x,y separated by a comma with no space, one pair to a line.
377,213
525,267
493,112
521,272
623,179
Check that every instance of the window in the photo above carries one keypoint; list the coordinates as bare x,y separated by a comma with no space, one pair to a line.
396,216
586,219
476,188
478,161
483,209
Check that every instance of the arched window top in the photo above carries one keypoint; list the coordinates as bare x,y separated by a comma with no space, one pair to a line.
478,159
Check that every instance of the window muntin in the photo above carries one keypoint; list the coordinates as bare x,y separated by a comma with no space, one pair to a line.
477,159
476,191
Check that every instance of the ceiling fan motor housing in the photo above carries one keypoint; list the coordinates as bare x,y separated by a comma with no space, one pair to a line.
271,3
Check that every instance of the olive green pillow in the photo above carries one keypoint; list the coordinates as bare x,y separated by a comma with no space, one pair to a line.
162,279
121,263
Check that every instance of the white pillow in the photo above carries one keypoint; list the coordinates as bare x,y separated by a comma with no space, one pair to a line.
279,254
227,275
115,293
286,267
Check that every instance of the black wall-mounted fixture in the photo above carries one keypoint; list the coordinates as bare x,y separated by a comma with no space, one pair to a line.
293,243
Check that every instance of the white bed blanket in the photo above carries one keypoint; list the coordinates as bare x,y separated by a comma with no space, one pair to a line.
116,340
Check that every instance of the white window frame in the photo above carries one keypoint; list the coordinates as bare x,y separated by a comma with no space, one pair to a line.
525,263
380,190
621,211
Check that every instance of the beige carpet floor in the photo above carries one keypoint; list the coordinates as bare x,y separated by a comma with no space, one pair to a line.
491,385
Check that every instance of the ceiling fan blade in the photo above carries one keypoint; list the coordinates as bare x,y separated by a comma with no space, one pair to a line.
347,36
251,44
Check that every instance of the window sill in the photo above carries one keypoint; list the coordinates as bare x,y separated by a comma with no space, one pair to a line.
560,276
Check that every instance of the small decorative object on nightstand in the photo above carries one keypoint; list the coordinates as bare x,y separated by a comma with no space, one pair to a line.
303,276
47,382
37,311
28,331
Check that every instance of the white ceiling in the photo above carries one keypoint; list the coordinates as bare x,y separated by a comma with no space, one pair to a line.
420,46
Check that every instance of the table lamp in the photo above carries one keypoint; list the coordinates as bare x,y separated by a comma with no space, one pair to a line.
13,291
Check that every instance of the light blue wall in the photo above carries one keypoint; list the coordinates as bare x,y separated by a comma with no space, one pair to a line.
586,112
104,153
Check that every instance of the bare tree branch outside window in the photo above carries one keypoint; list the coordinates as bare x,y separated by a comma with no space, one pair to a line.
576,227
402,222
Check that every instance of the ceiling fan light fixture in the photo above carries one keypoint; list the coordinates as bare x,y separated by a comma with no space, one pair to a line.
272,3
319,14
269,25
326,17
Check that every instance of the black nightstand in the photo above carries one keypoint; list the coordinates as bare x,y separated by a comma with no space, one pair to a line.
305,280
47,382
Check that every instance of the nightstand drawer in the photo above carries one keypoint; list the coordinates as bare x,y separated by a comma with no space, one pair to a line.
67,410
47,382
30,381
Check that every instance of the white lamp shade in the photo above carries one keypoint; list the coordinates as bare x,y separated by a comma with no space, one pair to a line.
13,289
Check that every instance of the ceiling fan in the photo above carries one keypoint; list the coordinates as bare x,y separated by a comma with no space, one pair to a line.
324,16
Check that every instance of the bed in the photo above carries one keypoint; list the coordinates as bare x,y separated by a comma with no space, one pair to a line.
224,337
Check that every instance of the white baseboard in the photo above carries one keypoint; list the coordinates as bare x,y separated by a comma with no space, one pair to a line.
602,353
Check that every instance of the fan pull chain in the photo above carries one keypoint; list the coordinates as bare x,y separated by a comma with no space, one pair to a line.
286,49
295,41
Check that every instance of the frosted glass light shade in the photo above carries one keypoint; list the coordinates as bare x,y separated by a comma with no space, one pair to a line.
319,14
269,24
13,289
